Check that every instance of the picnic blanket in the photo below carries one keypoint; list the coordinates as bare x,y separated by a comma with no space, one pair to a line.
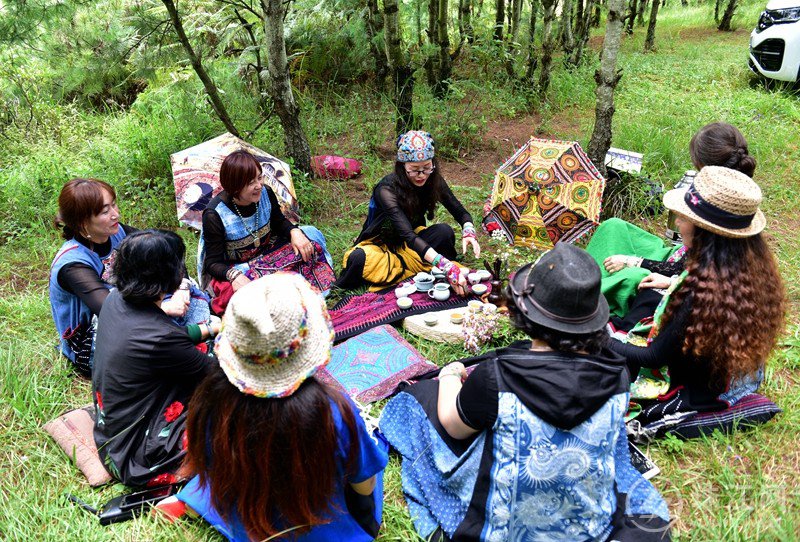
370,366
355,314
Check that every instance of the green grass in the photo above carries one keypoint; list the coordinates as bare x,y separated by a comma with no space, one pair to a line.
738,487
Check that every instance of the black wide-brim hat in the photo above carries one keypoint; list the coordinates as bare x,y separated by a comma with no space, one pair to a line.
561,291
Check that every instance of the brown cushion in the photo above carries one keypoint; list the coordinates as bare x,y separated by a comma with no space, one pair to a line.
73,431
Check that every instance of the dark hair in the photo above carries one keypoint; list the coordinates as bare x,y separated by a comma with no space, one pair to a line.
590,343
149,263
738,303
78,202
721,144
413,199
271,460
238,169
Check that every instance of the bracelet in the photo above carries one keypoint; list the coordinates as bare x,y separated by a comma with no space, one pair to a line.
211,333
468,230
633,261
233,274
436,260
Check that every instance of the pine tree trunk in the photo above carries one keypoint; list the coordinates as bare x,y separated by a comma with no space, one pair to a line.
499,19
431,60
716,11
516,15
442,86
631,17
281,86
374,25
640,15
533,60
583,22
401,73
197,65
548,44
596,15
727,17
607,78
567,36
650,41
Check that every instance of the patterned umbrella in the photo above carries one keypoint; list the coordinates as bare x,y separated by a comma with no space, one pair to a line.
196,174
548,192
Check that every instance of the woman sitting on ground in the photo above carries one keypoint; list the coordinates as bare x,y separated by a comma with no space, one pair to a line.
721,319
395,242
245,235
145,366
273,449
532,444
80,276
715,144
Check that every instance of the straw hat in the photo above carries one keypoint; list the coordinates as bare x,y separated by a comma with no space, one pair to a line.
275,334
720,200
415,146
561,291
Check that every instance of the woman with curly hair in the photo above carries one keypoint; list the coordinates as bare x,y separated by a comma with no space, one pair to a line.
396,242
721,319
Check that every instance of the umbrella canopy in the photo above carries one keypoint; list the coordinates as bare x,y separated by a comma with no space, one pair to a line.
548,192
195,172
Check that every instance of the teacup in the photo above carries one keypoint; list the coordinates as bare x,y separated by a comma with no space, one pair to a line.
456,318
474,305
437,273
404,290
423,281
479,289
489,308
484,274
440,292
474,278
405,302
431,319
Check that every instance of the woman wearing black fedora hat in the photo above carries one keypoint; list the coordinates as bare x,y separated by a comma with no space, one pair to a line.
532,445
720,320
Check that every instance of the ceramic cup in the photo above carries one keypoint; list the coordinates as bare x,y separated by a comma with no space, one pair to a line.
474,305
431,319
479,289
405,290
474,278
423,281
404,302
484,274
437,273
456,317
440,292
489,308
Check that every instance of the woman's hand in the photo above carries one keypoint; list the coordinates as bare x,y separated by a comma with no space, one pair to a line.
618,262
655,280
456,368
457,279
473,242
449,387
239,281
177,305
301,245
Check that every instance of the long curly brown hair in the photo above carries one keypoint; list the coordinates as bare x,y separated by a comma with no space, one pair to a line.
738,303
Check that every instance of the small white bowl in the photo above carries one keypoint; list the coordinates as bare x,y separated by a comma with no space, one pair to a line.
474,278
473,305
484,274
479,289
404,290
405,302
431,319
456,318
489,308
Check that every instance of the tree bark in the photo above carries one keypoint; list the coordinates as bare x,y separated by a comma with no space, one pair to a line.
197,65
533,60
727,17
401,73
650,41
442,86
516,15
583,27
567,36
548,44
432,58
716,11
631,18
640,14
466,21
607,78
374,26
499,19
294,137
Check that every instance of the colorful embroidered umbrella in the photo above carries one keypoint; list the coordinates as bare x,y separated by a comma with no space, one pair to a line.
195,172
548,192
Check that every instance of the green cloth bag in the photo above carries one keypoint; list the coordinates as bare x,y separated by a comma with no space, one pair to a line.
615,236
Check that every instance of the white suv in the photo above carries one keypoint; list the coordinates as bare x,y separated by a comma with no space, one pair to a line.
775,41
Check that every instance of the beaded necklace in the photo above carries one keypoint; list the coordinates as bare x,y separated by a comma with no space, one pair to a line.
256,239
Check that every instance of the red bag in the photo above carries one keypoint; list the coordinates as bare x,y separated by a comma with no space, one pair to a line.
335,167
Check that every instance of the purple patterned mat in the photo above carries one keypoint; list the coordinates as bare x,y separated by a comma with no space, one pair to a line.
355,314
370,366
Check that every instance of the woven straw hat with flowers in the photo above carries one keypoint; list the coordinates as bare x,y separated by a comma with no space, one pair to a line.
720,200
276,333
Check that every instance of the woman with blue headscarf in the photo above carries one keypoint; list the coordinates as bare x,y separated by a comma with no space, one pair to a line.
396,241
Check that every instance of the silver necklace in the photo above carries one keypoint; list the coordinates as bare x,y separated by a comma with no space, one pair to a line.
256,239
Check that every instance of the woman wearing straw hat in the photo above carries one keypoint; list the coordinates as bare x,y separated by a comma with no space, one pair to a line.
532,445
274,451
720,320
395,242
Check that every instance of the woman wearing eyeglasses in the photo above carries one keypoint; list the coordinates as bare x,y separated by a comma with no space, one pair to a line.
396,242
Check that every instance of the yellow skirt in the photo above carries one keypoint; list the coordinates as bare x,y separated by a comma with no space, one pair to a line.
384,267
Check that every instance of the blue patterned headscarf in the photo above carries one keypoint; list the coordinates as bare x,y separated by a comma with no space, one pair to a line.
414,146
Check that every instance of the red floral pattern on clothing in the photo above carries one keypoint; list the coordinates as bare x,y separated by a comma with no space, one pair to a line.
162,479
173,411
492,226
